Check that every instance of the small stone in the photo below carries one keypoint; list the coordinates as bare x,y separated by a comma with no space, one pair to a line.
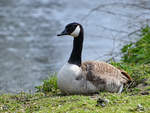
102,102
145,93
140,107
106,101
103,105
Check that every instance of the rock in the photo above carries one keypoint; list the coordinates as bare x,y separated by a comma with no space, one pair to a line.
140,107
102,102
145,93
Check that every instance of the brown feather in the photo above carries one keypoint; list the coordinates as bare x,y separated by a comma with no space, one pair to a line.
100,72
126,75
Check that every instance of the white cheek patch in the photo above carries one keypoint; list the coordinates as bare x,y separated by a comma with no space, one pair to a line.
76,32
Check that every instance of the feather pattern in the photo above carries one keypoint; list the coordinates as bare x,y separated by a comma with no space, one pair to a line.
104,76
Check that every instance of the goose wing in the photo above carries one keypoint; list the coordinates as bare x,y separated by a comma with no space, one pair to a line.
96,71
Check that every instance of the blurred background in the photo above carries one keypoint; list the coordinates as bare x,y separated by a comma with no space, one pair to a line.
30,49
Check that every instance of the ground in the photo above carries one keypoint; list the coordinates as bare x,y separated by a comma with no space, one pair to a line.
57,103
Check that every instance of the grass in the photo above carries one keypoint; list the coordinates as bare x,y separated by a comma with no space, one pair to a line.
39,103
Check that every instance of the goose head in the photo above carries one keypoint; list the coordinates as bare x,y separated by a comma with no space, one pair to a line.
73,29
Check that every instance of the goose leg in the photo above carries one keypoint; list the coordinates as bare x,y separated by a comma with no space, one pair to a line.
121,88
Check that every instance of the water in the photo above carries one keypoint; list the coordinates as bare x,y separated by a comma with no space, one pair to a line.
30,49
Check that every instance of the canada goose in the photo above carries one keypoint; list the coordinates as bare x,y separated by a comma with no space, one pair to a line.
76,77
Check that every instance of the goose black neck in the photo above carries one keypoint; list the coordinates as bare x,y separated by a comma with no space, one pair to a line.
76,55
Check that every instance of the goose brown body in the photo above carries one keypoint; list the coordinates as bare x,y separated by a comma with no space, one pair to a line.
103,75
97,70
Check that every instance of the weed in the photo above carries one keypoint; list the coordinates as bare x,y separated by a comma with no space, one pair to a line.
138,52
49,85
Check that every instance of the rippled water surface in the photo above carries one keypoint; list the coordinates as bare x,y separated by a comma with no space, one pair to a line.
30,50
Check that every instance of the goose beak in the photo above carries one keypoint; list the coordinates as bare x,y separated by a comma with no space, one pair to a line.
63,33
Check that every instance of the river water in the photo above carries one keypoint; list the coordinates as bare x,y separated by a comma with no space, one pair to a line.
30,49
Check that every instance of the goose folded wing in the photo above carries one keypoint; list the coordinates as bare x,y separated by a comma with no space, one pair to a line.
101,72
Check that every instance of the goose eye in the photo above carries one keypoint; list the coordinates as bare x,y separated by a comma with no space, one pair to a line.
70,28
74,27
